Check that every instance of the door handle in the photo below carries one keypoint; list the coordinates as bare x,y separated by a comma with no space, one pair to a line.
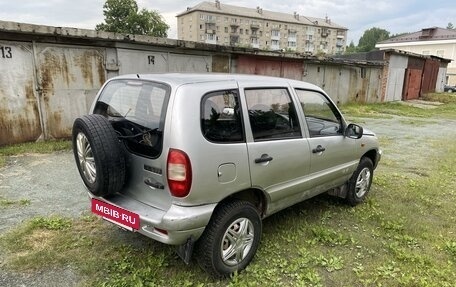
264,158
318,149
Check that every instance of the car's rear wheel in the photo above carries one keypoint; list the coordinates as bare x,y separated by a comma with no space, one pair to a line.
231,239
360,182
98,154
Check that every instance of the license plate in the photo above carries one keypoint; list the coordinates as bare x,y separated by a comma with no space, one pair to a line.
117,215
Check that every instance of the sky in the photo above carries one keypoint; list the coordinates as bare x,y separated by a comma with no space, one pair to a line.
356,15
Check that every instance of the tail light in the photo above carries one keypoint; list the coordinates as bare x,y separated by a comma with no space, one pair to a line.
179,173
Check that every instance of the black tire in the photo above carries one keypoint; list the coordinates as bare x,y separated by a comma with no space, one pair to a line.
228,217
101,152
360,182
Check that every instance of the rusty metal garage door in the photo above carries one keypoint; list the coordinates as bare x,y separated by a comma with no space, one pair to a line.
262,66
136,61
19,115
430,74
412,84
68,80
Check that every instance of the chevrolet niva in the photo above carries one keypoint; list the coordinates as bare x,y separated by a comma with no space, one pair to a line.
198,160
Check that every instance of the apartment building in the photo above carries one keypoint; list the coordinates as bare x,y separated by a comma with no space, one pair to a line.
218,23
433,41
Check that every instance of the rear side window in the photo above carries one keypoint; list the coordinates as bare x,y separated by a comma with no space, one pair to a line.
221,117
272,114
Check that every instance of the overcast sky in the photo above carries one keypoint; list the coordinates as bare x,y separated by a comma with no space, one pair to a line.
396,16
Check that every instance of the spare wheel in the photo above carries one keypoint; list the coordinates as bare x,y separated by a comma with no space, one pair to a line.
99,155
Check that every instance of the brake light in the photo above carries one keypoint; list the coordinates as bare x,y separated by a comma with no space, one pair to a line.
179,173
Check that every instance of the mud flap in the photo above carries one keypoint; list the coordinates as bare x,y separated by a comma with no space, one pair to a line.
185,250
340,191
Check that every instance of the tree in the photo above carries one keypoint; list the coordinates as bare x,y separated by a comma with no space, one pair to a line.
450,26
351,48
123,16
371,37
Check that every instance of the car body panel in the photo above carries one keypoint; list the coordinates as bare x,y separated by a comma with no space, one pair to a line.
221,170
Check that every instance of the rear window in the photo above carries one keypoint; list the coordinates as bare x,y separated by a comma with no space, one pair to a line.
136,109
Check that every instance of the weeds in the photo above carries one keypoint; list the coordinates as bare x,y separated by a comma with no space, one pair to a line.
32,147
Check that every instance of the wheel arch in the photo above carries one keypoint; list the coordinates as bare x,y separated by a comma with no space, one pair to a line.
253,195
372,155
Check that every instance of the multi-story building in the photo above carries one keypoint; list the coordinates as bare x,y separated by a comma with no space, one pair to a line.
217,23
429,41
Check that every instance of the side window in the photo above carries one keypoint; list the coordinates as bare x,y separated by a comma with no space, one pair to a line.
321,116
272,114
221,117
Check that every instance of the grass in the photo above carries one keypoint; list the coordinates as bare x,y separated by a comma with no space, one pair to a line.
32,147
390,109
403,235
8,202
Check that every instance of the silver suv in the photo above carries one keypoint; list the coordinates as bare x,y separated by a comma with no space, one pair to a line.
198,160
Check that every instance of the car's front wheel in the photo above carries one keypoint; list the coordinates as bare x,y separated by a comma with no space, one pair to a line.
360,182
231,238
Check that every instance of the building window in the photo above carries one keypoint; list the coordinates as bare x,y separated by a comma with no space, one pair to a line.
241,31
226,29
226,19
426,52
201,26
440,53
246,31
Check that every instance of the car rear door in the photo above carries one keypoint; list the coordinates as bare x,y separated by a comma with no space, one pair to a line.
279,156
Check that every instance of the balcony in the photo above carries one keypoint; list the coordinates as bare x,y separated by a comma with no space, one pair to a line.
234,25
339,43
340,36
292,39
211,41
275,47
255,45
254,26
209,31
275,35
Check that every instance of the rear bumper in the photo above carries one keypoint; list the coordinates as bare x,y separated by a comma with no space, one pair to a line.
179,222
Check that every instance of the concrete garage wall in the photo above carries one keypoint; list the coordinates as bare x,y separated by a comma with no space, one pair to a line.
50,75
345,83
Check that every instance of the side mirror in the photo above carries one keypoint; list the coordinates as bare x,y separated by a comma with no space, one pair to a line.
353,131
